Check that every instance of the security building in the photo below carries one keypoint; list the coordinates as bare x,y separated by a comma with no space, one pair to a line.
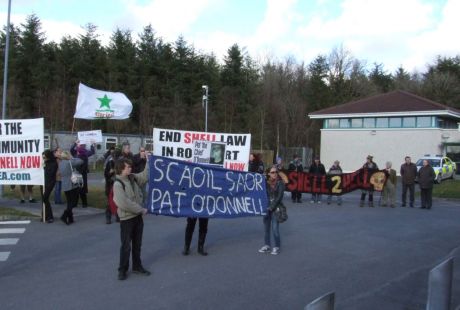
389,127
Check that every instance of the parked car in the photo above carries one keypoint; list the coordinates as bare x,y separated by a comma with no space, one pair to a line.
443,166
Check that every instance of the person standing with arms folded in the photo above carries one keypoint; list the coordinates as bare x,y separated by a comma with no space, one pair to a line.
127,195
408,173
426,177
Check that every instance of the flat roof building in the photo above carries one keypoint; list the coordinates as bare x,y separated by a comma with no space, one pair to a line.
389,127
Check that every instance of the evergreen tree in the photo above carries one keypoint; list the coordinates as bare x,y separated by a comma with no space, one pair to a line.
27,74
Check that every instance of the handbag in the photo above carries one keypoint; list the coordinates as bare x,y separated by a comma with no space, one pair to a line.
76,178
281,213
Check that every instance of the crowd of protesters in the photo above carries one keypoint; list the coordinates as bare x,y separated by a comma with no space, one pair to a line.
126,177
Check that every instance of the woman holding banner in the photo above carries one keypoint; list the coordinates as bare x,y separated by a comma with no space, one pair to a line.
275,189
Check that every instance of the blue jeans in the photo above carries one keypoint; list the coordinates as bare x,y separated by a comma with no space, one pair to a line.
271,222
57,192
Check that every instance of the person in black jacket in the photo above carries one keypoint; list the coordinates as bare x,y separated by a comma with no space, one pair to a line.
372,166
109,176
426,178
51,168
317,170
296,165
139,160
255,163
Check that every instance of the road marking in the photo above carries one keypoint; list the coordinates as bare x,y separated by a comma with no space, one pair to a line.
14,222
12,230
4,256
8,241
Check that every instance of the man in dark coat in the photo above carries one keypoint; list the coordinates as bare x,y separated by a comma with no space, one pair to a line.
369,165
296,165
408,173
317,170
426,178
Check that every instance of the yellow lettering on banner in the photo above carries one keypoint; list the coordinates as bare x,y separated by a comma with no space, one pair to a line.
336,189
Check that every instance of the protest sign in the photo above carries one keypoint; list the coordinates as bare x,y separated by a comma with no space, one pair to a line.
367,179
21,148
89,137
182,145
182,189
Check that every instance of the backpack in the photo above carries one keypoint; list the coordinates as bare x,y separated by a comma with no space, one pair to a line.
112,205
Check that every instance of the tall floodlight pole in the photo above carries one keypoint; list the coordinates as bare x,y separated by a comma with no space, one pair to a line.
5,68
205,105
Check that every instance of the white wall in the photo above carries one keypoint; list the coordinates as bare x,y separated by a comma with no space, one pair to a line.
351,146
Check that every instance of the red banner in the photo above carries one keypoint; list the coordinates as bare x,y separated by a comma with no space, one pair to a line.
366,179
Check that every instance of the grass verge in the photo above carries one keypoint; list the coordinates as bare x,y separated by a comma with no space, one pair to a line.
15,213
447,189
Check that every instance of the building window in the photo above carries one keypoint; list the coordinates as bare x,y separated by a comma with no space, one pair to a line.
423,121
344,123
395,122
110,142
333,123
382,122
369,122
409,122
447,123
356,123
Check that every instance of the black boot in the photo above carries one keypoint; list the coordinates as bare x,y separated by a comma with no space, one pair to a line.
201,239
188,240
186,250
70,216
65,217
108,216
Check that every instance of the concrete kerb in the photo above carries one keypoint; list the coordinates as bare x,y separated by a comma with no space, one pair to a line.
36,209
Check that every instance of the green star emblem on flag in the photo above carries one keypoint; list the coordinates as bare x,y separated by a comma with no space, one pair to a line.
105,102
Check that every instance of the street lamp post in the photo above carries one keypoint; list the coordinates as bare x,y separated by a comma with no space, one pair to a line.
205,105
5,69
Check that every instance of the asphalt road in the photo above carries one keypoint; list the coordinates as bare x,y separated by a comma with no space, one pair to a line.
373,258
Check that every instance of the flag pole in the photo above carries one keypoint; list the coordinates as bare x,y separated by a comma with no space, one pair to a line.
73,126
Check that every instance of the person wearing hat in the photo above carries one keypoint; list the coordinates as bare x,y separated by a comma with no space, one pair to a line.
296,165
335,170
79,150
317,170
370,165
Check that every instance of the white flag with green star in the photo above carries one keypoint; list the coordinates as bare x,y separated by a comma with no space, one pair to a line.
99,104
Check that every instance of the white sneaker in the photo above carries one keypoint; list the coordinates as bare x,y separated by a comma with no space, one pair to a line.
312,201
319,201
264,249
275,251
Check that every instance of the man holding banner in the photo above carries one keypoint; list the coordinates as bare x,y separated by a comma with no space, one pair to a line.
127,195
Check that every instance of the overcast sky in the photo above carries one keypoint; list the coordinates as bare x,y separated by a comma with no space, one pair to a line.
410,33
